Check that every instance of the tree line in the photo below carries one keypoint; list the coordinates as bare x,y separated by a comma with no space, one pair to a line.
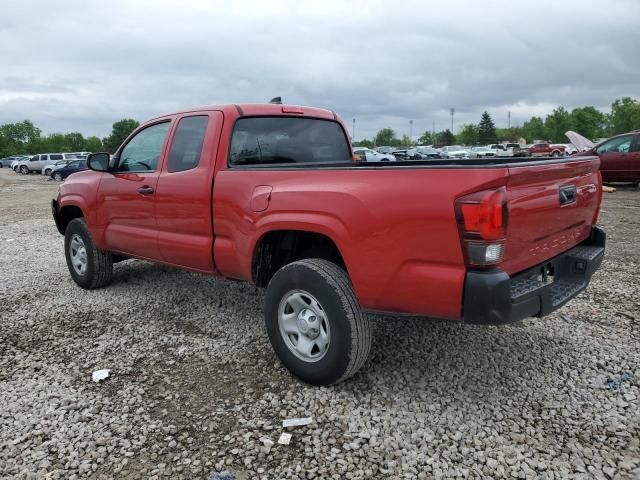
25,138
587,121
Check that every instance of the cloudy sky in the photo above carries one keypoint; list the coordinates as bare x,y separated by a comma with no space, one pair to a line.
80,66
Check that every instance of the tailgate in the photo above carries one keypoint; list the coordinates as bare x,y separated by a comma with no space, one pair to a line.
552,208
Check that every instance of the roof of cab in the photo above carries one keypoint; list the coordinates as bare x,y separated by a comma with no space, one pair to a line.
256,109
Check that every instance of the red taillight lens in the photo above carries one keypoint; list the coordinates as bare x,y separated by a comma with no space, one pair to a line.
482,220
484,214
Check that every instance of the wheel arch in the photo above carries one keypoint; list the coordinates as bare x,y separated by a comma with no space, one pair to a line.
276,248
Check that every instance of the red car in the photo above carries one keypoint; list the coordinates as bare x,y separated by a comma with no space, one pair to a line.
620,158
546,150
271,194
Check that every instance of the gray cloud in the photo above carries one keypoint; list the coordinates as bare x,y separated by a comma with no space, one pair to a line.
81,66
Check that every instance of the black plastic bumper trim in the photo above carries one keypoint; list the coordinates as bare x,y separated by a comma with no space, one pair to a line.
492,297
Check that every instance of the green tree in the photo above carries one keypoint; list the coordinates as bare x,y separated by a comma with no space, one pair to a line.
445,138
119,132
558,122
533,129
469,134
92,144
511,135
405,141
625,116
386,136
427,138
588,121
486,129
75,140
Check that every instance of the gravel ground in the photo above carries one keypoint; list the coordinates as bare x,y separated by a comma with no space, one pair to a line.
195,387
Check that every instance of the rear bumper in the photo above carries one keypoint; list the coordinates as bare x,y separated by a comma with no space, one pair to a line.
493,297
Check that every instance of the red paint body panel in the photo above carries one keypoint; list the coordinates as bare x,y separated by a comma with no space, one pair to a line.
395,227
545,149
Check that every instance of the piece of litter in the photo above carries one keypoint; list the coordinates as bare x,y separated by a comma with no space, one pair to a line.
296,422
224,475
284,439
267,442
99,375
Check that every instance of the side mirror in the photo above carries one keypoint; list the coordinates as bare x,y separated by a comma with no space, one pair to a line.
98,162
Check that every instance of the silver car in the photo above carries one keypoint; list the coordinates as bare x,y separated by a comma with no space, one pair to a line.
368,155
38,162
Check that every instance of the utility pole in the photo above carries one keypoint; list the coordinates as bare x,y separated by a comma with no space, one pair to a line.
452,111
434,128
353,131
509,119
410,129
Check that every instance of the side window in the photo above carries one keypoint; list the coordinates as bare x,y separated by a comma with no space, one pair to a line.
616,145
142,152
55,157
187,143
636,145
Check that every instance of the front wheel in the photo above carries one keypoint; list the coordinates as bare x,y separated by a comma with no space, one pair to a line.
89,267
314,322
24,170
47,172
57,177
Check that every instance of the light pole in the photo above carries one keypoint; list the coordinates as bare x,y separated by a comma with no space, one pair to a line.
509,119
353,130
410,129
452,111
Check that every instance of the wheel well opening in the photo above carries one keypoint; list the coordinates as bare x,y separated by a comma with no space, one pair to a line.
67,214
279,248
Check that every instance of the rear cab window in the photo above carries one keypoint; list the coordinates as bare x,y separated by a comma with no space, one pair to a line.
186,146
280,140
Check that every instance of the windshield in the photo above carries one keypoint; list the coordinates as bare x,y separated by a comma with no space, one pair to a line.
273,140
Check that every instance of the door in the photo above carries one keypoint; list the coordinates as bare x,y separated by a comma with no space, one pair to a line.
634,160
183,201
37,162
616,159
126,197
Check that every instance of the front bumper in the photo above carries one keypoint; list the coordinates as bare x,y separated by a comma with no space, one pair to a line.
56,216
492,297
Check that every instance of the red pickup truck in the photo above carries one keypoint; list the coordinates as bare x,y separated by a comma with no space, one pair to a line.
546,150
271,194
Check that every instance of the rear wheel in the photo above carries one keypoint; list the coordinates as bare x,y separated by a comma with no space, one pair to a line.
314,322
47,172
555,153
89,267
57,177
24,170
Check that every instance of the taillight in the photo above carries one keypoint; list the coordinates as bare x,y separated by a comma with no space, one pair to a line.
482,221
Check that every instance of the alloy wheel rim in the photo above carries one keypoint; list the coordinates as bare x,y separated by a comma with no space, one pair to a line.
78,254
304,326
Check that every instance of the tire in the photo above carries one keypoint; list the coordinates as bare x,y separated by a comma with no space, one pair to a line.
57,177
338,316
98,268
555,153
47,172
24,170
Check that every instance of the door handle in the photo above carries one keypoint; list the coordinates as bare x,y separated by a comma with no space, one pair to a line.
146,190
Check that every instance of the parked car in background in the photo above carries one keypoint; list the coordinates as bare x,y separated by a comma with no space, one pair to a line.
7,161
454,151
546,150
501,150
384,149
619,158
73,167
368,155
477,152
49,169
569,148
428,152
